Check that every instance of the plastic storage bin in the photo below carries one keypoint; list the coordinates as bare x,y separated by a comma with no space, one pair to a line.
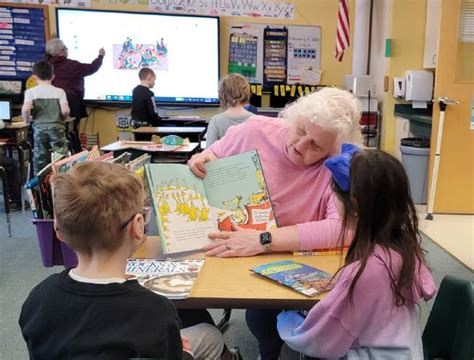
415,160
53,251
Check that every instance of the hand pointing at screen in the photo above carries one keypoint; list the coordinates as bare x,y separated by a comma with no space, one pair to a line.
102,52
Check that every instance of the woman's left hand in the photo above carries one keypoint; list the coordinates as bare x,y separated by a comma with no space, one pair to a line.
240,242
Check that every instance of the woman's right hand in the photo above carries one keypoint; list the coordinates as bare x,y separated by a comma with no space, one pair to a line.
197,161
102,52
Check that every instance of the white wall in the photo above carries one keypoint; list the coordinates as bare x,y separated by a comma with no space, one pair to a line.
378,61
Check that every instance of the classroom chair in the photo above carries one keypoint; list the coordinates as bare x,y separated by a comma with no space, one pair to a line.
449,333
3,176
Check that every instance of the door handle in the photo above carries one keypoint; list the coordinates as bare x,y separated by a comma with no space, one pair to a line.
447,101
434,59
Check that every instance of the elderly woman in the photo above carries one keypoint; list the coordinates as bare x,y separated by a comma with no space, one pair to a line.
292,151
234,94
69,76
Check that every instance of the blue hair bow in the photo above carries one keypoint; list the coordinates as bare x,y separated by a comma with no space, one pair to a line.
340,166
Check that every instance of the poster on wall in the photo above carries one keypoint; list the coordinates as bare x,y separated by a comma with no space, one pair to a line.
245,49
245,8
22,40
303,55
303,58
275,52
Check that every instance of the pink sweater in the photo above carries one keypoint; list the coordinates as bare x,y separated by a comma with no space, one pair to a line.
373,326
300,195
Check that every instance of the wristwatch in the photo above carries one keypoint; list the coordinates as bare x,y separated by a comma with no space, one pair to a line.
266,240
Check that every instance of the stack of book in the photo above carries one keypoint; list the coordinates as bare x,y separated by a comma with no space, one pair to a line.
38,189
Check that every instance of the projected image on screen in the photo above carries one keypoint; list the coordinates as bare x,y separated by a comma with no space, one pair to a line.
129,56
182,50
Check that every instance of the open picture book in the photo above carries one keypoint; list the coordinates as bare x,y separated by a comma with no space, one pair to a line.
305,279
188,208
172,279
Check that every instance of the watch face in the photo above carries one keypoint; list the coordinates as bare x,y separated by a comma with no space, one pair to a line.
265,238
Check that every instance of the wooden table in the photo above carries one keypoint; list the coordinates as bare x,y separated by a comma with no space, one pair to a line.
194,133
228,283
165,153
17,131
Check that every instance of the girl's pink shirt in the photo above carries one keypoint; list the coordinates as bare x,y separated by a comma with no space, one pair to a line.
300,195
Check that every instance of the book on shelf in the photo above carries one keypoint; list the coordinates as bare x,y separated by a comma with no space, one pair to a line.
188,208
172,279
64,165
305,279
32,188
45,193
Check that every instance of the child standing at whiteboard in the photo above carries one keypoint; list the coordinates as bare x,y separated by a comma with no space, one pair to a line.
144,109
371,312
47,106
234,94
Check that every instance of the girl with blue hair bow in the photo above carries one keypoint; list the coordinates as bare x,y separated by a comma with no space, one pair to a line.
371,312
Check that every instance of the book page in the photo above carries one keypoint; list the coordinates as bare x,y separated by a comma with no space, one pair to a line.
184,215
236,184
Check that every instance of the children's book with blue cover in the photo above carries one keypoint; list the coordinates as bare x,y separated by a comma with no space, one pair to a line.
300,277
188,208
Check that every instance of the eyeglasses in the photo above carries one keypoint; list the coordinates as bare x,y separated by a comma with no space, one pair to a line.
146,217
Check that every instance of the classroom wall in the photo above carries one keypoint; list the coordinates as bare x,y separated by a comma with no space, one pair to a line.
407,21
308,12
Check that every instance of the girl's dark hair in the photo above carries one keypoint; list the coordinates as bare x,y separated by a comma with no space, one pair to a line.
379,197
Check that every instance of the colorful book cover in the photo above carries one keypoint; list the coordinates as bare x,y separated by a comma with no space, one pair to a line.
188,208
64,165
172,279
300,277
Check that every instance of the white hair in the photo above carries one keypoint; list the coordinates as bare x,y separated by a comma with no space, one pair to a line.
331,108
54,46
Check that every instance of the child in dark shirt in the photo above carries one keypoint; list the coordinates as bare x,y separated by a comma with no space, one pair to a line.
93,311
144,110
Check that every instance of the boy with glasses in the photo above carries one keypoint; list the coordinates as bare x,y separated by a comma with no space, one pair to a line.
93,311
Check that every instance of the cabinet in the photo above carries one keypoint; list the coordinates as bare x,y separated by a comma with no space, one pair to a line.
433,13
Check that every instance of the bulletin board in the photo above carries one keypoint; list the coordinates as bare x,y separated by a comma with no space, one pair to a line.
23,34
276,54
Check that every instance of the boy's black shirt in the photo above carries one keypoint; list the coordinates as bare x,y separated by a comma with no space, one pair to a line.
143,108
66,319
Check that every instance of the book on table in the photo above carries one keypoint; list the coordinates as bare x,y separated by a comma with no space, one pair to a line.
188,208
305,279
172,279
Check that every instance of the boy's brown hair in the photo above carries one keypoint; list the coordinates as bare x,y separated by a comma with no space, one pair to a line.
43,70
234,90
92,202
145,72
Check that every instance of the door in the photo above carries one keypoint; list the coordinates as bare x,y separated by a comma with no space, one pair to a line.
455,80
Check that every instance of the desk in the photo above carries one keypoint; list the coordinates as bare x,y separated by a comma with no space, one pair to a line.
228,283
165,153
195,133
17,133
187,121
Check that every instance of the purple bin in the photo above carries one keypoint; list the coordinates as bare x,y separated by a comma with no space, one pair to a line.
53,251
